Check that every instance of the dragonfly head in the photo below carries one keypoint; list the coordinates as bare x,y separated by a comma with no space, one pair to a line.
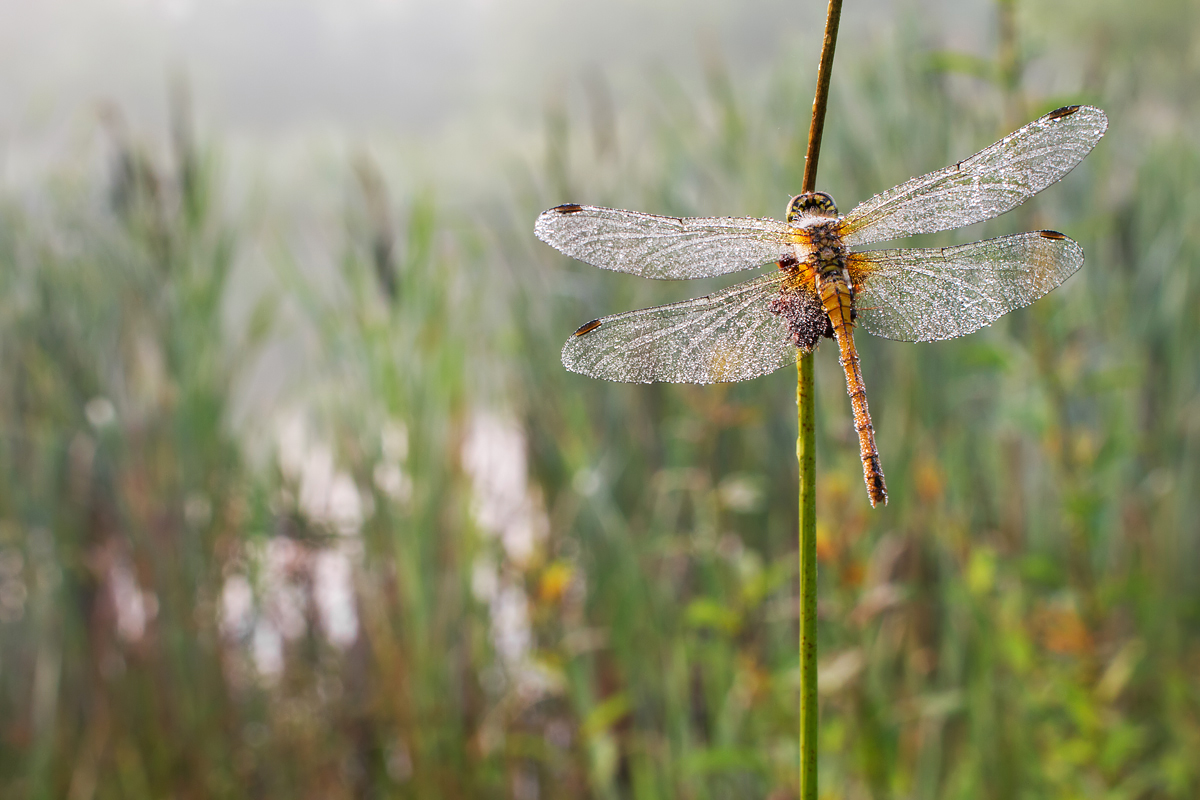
811,204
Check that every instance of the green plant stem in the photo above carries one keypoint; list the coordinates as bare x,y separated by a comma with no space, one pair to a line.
821,98
806,455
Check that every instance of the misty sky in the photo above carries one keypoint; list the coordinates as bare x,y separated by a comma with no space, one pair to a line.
266,67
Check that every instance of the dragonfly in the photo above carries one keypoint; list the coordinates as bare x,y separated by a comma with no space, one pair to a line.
823,284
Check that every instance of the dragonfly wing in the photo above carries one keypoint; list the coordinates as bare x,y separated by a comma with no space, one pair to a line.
663,247
919,295
730,335
994,180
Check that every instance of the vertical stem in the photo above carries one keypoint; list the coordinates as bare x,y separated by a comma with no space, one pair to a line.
806,455
821,99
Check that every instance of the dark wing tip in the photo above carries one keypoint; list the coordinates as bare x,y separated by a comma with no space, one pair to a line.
1052,235
588,327
1065,111
1086,113
547,229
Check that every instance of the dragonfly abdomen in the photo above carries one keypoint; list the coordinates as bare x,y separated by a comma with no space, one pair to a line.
868,452
837,298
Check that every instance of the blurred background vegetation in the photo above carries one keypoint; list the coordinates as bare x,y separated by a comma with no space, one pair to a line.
297,500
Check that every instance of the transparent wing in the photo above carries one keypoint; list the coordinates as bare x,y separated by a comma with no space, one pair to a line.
918,295
730,335
994,180
663,247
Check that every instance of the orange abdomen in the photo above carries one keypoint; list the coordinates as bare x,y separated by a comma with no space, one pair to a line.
838,301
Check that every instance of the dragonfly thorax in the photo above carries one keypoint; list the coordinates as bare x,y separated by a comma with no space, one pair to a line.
828,252
811,204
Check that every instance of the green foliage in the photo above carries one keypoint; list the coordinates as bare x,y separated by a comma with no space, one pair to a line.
563,588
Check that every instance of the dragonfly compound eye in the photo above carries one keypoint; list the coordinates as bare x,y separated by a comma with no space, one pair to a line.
812,204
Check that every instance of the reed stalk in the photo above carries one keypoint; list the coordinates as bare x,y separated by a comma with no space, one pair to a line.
806,455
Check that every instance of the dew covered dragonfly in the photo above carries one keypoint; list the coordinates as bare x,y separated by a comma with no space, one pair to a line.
824,285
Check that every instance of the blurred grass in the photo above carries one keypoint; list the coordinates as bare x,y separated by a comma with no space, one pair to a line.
564,588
